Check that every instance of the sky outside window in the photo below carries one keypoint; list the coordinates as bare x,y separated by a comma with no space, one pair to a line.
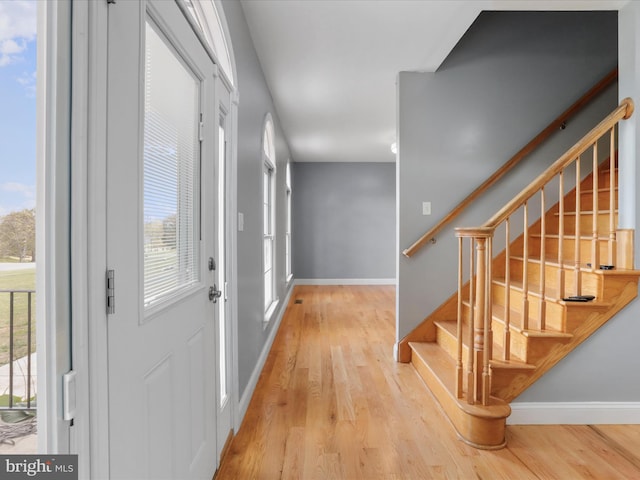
17,105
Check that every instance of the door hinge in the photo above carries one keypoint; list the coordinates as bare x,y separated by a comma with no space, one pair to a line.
69,395
111,295
201,129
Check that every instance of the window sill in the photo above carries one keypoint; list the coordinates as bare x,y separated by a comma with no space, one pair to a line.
270,312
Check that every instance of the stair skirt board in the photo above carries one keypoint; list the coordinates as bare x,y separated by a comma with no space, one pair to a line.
574,413
345,281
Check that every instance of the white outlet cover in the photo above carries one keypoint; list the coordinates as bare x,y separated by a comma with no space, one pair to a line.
426,208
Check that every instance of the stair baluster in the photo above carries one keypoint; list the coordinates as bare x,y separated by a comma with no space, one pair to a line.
561,271
487,351
525,268
459,367
507,288
578,283
543,254
470,361
595,249
612,198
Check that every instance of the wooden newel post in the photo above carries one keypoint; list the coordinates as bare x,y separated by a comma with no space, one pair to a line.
479,333
480,311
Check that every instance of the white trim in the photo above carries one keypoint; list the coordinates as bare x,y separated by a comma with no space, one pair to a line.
255,375
270,312
52,221
574,413
345,281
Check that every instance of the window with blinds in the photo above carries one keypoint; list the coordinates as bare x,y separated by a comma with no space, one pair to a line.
171,172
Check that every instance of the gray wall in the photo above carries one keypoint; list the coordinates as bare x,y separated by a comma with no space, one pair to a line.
344,217
605,367
510,75
255,102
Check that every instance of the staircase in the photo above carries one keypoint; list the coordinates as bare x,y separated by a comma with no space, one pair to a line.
512,320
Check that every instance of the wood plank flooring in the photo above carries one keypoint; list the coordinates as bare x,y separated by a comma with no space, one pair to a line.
331,403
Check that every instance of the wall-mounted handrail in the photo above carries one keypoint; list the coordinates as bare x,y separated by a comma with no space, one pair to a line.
504,169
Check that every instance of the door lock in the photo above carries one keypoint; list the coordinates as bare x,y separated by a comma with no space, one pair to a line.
214,294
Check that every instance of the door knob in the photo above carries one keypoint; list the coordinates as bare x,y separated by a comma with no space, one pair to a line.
214,294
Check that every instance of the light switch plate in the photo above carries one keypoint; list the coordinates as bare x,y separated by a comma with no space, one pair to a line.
426,208
240,222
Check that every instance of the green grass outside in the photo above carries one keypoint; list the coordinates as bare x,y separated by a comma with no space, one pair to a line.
9,260
17,280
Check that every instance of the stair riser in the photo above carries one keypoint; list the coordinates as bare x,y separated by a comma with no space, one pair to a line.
568,253
502,379
528,349
516,298
449,343
554,314
586,224
586,199
603,181
517,347
589,280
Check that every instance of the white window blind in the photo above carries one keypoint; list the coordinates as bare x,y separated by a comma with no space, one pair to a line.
171,173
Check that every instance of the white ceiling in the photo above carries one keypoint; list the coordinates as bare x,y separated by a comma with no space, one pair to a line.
331,65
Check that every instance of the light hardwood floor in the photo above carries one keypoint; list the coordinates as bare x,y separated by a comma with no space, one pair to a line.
331,403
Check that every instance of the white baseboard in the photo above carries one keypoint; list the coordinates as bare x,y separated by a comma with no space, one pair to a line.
574,413
345,281
253,380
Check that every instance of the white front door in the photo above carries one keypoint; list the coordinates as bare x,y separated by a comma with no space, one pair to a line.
161,222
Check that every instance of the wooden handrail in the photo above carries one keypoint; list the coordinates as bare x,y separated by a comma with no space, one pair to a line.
623,111
526,150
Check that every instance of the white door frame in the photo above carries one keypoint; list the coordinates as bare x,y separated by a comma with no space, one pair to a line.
53,315
90,437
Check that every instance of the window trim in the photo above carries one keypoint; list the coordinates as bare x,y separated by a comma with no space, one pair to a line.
269,168
288,260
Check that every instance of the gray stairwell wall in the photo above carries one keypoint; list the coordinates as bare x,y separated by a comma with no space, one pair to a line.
510,75
254,104
344,217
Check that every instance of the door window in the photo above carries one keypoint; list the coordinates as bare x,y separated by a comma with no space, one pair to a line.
171,173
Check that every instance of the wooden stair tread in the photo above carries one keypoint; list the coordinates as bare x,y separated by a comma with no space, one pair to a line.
444,368
451,326
551,260
585,236
584,212
511,365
